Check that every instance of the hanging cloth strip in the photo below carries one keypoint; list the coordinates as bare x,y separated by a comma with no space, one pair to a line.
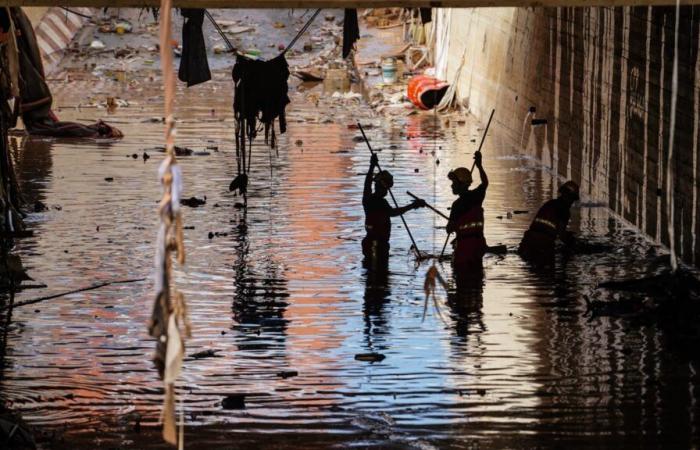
351,31
194,67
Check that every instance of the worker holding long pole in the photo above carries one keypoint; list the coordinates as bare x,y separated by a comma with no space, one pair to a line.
467,219
378,212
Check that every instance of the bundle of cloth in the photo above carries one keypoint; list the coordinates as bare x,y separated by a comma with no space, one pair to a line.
260,96
35,95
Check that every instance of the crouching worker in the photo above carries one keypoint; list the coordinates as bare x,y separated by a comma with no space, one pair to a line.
467,221
378,213
550,223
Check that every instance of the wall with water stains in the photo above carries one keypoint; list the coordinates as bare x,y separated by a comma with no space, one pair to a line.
603,79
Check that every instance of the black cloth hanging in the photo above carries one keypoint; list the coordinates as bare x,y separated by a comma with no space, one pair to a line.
260,96
426,15
194,67
351,31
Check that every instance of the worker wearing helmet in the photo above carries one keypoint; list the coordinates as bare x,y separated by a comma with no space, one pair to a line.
550,223
378,212
467,220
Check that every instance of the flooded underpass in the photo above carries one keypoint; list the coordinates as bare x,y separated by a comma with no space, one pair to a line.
279,297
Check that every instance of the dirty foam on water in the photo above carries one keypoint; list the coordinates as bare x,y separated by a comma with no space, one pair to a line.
282,288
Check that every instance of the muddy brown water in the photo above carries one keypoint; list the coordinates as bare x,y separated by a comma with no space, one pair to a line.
518,363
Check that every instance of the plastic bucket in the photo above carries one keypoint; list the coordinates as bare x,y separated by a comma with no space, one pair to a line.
389,71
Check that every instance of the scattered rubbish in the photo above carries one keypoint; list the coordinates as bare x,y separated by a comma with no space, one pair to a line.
146,156
219,49
109,179
179,151
308,75
210,353
119,27
299,142
369,357
238,30
287,374
233,401
278,25
97,44
193,202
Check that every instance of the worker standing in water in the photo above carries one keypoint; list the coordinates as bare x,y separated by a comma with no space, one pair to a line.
550,222
378,212
467,221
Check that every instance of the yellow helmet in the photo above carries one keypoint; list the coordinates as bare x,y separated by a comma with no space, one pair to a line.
460,175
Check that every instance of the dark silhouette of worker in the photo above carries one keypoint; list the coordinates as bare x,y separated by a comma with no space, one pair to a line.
378,213
467,222
550,223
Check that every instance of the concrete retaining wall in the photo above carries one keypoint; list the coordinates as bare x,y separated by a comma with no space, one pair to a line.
602,77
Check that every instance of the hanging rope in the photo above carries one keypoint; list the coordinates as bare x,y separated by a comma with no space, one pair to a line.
230,46
302,31
75,12
169,322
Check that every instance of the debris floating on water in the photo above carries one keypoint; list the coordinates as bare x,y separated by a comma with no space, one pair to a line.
369,357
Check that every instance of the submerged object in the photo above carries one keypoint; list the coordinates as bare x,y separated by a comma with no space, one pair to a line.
426,92
369,357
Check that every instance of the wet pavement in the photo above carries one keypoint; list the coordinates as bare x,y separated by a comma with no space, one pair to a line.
523,361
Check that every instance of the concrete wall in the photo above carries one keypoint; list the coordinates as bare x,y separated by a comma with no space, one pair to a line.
603,79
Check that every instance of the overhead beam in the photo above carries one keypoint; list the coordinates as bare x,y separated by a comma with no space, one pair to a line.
221,4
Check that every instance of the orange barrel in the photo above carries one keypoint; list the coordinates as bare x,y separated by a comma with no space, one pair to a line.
425,92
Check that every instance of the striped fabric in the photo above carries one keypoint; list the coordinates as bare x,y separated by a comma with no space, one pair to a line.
55,31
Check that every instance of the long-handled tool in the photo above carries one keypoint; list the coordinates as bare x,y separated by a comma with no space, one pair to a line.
495,249
391,193
483,137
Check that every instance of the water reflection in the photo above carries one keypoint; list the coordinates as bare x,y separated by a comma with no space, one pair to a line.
466,301
522,361
377,296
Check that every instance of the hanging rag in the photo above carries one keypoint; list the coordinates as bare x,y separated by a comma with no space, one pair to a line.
351,31
194,67
260,96
426,15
